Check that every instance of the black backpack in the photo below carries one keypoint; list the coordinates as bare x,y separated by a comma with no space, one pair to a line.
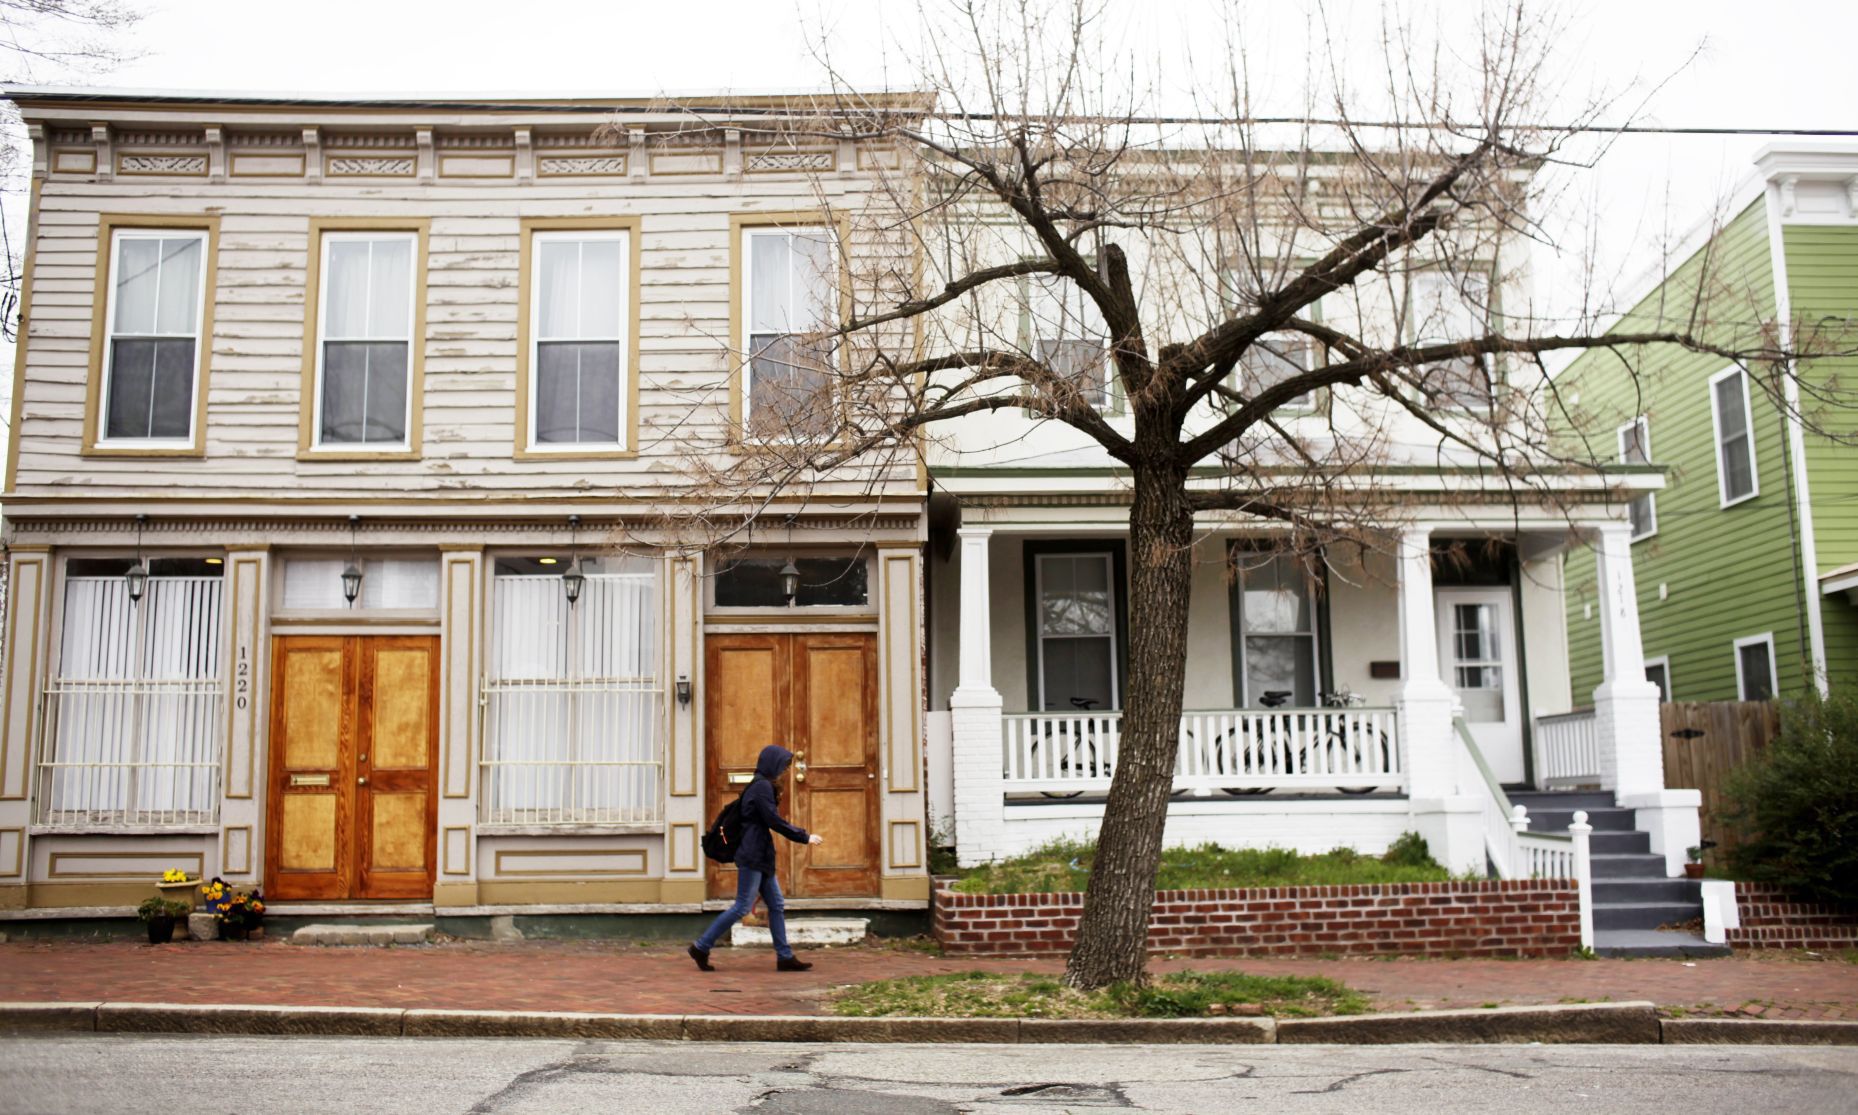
725,833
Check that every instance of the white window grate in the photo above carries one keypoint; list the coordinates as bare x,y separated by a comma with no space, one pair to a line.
134,720
573,704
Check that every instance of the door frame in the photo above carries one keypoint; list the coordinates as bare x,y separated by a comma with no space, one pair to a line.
351,878
1497,749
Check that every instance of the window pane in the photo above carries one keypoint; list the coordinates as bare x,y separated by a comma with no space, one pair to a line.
391,270
577,393
1657,675
769,270
1283,663
824,581
1640,512
345,291
312,584
1757,672
1075,596
171,415
814,283
137,261
1273,360
132,382
600,289
1276,596
177,304
558,272
1076,669
1729,410
788,386
1083,364
364,393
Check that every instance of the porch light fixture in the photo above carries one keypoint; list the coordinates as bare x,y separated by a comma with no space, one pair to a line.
137,578
351,576
790,573
573,580
683,691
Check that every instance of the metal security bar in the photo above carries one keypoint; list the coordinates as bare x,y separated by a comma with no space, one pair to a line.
573,707
134,723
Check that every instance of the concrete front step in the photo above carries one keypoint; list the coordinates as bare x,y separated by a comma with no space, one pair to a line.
1643,915
1619,843
804,933
1554,799
1602,820
1654,942
362,935
1613,892
1630,866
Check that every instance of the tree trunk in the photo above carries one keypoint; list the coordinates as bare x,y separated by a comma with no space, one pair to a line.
1112,936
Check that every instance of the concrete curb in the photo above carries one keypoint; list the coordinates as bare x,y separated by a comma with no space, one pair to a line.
1603,1023
1596,1024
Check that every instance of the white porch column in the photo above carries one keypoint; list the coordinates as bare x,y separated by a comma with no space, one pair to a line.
1626,723
974,710
1450,821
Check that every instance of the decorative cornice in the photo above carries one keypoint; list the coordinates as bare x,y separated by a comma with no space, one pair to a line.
136,138
264,139
368,140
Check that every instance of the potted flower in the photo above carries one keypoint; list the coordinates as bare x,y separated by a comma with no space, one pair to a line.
159,914
178,886
215,894
240,914
1694,868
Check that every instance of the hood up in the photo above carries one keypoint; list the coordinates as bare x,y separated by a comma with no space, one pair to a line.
773,760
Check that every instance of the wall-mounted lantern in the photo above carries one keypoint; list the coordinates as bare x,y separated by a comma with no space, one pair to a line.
136,579
683,691
351,576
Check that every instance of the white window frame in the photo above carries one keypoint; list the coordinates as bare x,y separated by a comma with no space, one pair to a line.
1454,283
1314,634
1108,557
1716,437
746,264
1049,292
329,237
1766,638
117,237
1644,427
1663,662
538,237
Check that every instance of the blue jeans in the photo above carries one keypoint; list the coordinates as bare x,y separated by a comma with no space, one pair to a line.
748,882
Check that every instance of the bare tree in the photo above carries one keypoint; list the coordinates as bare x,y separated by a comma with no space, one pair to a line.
1166,286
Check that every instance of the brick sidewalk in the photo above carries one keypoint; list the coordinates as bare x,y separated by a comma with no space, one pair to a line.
659,979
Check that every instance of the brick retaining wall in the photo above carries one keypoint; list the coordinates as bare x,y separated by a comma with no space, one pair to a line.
1773,919
1519,917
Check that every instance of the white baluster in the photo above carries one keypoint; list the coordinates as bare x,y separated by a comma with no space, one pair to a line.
1583,874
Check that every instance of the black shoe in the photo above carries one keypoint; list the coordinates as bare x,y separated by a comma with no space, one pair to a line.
791,964
702,957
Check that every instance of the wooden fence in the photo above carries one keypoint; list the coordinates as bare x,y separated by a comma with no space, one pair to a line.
1704,741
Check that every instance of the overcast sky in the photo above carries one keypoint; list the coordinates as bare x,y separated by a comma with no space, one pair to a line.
1771,64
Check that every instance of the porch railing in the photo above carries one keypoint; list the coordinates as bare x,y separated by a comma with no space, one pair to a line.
1237,751
131,752
572,751
1567,752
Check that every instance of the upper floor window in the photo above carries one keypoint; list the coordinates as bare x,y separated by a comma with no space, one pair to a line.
1274,358
1444,308
1063,330
1736,479
790,305
578,391
364,351
151,371
1635,448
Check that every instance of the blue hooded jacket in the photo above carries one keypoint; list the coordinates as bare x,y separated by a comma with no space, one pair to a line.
761,813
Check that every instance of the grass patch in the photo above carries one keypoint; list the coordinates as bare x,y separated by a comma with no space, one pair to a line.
1064,865
1176,995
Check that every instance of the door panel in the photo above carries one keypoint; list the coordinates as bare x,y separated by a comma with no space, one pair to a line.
746,707
311,801
354,739
1479,663
835,792
399,699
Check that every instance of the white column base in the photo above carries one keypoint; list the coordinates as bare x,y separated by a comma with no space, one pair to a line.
1454,830
1628,733
1429,746
980,778
1670,816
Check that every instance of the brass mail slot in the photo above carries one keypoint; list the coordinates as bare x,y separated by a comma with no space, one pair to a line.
309,780
739,779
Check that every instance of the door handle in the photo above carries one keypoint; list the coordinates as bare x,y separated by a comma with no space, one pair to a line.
799,766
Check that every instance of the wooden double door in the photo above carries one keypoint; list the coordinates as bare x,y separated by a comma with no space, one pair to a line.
816,695
352,807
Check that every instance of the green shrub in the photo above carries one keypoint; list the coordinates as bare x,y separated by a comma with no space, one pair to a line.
1795,805
1410,850
1064,865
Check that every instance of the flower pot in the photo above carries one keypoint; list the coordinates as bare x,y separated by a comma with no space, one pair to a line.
230,931
160,930
1693,871
187,892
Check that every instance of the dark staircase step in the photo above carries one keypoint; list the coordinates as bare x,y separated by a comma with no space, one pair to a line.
1556,799
1627,866
1615,891
1602,820
1619,843
1654,942
1642,915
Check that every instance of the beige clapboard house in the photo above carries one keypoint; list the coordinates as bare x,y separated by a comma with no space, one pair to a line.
459,349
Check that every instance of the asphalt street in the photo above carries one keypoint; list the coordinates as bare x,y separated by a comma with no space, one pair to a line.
101,1074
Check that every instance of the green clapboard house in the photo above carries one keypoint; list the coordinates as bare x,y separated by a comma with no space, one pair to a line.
1746,563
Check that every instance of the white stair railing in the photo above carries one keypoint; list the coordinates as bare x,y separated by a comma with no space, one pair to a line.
1567,751
1516,852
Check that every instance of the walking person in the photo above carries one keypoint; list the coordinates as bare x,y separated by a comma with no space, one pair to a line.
754,863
